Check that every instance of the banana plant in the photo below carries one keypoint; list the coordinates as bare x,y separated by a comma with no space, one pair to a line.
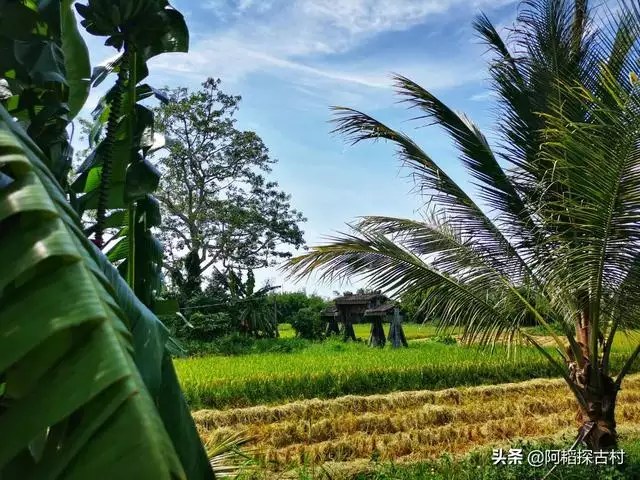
45,81
250,307
45,69
87,388
117,179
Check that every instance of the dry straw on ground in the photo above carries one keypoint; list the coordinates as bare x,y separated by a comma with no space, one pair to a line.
407,426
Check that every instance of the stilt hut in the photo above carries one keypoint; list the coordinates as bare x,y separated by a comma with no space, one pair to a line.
352,308
374,308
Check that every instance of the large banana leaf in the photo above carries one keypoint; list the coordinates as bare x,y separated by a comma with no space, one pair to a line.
87,389
76,59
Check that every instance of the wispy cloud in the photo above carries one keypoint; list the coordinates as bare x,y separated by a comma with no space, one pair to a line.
227,10
483,97
302,37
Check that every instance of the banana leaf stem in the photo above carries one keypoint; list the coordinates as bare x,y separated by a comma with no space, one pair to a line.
131,256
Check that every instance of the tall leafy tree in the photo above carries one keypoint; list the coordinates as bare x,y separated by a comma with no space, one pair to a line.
218,207
288,303
564,189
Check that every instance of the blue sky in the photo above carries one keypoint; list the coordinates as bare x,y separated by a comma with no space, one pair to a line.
292,59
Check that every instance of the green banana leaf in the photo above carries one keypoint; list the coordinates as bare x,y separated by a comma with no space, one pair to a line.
88,387
76,59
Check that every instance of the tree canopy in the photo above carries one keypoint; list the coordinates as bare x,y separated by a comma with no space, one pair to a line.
218,206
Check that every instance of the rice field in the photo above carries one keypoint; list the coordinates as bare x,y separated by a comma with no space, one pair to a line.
333,369
347,408
346,433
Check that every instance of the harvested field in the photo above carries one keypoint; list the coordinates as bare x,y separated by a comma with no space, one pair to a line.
408,426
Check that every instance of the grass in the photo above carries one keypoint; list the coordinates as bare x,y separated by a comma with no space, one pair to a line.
626,341
350,434
478,466
332,369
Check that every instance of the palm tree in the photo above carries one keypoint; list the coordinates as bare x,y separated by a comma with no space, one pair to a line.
563,184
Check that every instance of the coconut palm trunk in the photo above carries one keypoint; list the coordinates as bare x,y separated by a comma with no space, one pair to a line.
599,424
561,244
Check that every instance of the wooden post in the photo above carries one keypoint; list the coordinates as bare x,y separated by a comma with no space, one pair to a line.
376,337
347,332
275,316
396,333
332,326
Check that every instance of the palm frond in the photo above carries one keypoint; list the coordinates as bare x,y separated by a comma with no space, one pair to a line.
599,243
496,188
228,456
552,42
476,154
488,33
470,295
463,213
446,248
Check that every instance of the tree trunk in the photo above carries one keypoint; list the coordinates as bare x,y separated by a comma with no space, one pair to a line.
598,421
599,390
193,280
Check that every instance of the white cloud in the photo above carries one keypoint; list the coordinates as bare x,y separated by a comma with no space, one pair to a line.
365,80
260,6
295,35
229,9
369,17
483,97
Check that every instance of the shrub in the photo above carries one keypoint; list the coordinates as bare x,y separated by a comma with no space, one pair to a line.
445,339
204,327
308,324
238,344
289,303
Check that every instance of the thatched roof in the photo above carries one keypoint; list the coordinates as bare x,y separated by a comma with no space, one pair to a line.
381,310
330,311
355,299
